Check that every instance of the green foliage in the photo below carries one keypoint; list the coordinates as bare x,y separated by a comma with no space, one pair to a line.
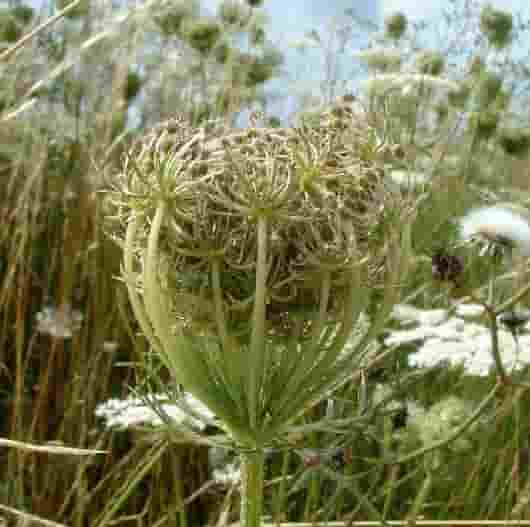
201,113
51,246
172,15
254,3
442,111
23,13
488,89
118,123
73,92
257,35
260,69
459,97
258,73
133,85
233,13
80,11
223,52
396,25
202,34
485,123
514,141
10,29
430,62
497,26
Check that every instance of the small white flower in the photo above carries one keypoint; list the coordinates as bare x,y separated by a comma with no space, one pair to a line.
407,314
497,224
230,474
407,179
469,310
412,336
415,81
59,322
109,346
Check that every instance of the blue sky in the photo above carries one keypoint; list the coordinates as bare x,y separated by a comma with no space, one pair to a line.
297,15
291,19
427,8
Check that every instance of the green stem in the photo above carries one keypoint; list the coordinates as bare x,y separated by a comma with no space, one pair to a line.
509,304
494,330
421,498
251,488
257,341
281,496
218,305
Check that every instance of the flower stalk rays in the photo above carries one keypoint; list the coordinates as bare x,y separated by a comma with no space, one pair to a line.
248,261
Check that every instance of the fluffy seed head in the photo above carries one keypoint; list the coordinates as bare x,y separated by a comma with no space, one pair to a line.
498,224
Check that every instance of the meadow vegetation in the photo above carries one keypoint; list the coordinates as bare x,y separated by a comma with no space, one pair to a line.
381,366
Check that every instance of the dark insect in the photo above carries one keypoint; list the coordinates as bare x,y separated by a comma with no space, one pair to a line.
447,267
399,418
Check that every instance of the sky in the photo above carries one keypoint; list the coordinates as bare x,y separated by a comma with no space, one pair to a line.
418,9
296,16
292,19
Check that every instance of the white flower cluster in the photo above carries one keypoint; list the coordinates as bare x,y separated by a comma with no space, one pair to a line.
380,58
457,340
131,412
59,322
441,420
406,84
407,180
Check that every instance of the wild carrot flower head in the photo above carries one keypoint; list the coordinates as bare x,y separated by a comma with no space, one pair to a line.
248,257
442,419
460,338
380,59
407,83
134,411
500,225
